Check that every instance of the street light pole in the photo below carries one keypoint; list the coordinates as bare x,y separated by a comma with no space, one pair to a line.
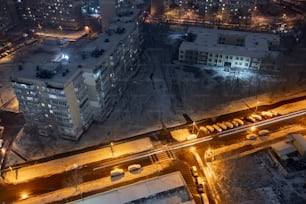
112,148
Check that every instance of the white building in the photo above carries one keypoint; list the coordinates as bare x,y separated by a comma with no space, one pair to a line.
226,48
62,93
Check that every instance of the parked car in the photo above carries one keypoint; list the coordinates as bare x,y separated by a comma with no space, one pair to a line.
266,114
251,119
257,117
263,132
239,121
134,168
216,127
210,128
228,124
204,130
191,136
221,125
194,171
251,136
117,172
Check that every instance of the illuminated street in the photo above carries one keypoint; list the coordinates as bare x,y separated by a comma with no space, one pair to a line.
153,102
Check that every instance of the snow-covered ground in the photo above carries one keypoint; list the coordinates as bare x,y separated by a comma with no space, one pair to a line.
56,166
160,94
102,183
255,179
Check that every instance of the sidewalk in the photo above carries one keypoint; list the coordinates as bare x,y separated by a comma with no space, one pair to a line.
61,165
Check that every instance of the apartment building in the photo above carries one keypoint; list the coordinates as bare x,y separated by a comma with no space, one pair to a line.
53,98
226,48
55,14
113,60
62,93
215,10
7,15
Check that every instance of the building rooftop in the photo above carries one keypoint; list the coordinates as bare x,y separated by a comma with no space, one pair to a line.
250,44
282,149
301,140
55,63
146,189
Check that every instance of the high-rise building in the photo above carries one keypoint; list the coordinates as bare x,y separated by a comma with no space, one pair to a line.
108,12
61,94
56,14
7,15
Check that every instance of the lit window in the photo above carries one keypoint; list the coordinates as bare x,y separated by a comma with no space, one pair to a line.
52,96
43,105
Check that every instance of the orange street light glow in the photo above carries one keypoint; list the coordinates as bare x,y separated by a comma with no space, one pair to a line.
24,196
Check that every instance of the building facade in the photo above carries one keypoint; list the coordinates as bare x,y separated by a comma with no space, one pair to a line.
230,11
53,103
224,48
55,14
62,95
7,15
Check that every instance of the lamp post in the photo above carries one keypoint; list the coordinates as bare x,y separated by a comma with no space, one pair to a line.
61,29
257,103
112,148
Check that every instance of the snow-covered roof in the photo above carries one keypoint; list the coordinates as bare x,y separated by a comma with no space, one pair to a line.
301,142
254,44
139,190
282,149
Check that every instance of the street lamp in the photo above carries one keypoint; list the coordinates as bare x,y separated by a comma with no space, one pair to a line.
257,103
253,128
24,196
61,29
112,148
39,27
194,126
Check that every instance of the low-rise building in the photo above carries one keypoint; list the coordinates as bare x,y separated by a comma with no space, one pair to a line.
299,141
62,89
227,48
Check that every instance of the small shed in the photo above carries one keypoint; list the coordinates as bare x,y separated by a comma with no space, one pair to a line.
282,149
299,141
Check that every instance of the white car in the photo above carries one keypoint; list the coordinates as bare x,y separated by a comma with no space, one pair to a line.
251,119
239,121
251,136
263,132
134,167
228,124
191,137
204,130
257,117
266,114
194,171
117,172
210,128
216,127
223,126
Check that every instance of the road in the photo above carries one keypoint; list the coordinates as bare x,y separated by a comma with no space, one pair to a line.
101,169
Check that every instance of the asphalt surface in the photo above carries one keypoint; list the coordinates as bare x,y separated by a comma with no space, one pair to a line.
10,193
101,169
